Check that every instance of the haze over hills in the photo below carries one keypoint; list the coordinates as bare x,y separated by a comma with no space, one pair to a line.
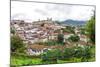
73,22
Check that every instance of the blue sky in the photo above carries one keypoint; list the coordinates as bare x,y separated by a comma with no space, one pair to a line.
31,11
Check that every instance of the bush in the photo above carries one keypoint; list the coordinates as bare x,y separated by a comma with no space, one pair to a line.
50,43
79,52
90,29
87,53
74,38
49,56
69,29
68,53
17,44
60,38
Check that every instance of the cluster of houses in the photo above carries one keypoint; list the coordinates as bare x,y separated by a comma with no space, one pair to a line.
40,31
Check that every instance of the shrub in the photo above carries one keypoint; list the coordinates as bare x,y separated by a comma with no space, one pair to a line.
17,44
68,53
74,38
60,38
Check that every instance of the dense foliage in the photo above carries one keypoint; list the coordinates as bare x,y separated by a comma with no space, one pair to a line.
49,56
60,38
84,53
12,31
17,44
74,38
69,29
90,29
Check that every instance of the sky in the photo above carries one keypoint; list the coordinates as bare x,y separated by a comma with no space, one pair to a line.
32,11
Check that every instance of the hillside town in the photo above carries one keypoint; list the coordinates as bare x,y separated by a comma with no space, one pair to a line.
39,31
43,31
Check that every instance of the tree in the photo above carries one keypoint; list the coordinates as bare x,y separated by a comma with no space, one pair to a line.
82,30
68,53
87,54
74,38
69,29
16,43
49,56
12,31
83,52
79,52
58,53
60,38
90,29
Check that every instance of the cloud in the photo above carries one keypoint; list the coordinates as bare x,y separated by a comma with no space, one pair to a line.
21,16
33,11
42,12
60,7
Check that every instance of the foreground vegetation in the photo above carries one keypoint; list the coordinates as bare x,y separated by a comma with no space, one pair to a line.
75,54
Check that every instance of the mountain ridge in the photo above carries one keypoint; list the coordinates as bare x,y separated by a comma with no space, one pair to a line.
73,22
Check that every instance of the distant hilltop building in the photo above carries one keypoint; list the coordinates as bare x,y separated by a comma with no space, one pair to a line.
48,20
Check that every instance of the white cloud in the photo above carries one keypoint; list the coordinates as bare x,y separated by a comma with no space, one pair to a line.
31,11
